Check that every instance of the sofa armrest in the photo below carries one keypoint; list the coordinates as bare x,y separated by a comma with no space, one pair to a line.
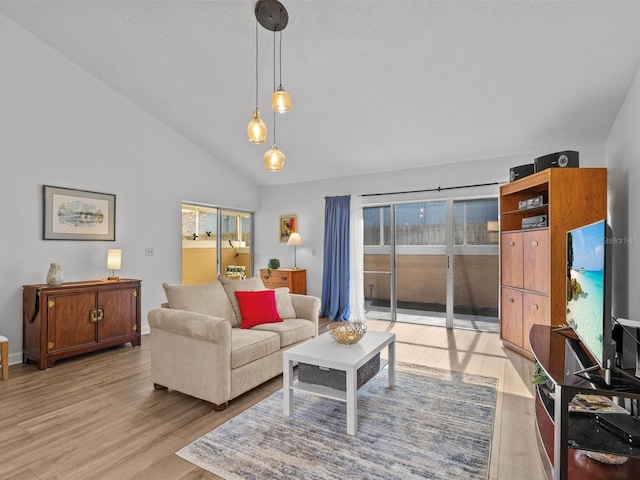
191,353
307,307
190,324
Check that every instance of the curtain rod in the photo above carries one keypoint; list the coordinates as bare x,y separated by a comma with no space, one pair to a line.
439,189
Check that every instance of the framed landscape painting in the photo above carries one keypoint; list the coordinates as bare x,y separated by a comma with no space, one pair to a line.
288,225
70,214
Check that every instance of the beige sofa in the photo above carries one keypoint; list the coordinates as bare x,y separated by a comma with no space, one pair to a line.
198,347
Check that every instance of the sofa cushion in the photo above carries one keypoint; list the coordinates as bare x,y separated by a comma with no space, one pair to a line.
250,345
290,331
284,303
231,286
257,308
209,299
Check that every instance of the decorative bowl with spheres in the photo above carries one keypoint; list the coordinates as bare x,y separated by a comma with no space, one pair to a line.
347,333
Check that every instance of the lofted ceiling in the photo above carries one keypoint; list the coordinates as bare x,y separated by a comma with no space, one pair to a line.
376,85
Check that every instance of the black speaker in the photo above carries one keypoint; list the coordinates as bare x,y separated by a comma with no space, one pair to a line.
521,171
565,159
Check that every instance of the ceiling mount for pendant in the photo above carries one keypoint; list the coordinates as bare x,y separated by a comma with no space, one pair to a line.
272,15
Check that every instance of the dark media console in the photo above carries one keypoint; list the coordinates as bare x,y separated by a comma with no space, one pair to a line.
563,434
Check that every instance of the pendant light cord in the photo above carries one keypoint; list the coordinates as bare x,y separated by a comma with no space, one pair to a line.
274,84
256,64
281,59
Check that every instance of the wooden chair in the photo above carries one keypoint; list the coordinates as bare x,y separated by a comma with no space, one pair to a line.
4,356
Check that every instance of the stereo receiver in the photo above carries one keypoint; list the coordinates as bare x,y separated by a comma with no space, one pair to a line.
534,222
534,202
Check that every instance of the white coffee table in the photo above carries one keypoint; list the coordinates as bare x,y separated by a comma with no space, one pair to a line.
323,351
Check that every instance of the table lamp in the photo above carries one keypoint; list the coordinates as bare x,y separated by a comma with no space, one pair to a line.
295,240
114,261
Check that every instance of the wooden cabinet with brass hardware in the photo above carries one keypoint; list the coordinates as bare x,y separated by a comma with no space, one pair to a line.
533,261
79,317
294,278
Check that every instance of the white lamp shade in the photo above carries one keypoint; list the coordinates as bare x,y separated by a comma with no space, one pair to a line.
114,258
294,239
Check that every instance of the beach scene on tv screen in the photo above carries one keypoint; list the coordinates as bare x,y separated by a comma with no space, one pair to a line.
585,285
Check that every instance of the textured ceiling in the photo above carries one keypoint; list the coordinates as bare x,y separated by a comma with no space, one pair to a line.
375,85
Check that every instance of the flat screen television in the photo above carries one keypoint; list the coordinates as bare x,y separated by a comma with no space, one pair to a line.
589,292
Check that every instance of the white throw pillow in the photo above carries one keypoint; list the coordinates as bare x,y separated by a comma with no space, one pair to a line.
284,305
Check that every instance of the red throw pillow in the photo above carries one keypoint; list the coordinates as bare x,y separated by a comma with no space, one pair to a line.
257,307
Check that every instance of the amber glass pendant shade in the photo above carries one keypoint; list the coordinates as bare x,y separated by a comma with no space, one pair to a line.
274,159
280,101
257,130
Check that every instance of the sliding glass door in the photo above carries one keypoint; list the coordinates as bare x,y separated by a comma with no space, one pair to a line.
378,269
421,262
199,244
236,228
475,264
433,262
213,237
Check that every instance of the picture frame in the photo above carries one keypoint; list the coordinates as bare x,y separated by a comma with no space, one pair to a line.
70,214
288,225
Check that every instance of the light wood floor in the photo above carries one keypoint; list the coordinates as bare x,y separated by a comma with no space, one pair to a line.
98,416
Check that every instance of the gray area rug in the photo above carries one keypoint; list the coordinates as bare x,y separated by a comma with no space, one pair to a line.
434,424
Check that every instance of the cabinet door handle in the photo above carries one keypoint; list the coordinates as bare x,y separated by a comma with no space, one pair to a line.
96,314
534,306
511,244
534,243
511,300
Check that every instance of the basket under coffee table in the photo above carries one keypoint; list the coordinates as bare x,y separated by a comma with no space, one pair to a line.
325,353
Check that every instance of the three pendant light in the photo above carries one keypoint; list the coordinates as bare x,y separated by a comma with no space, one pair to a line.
272,15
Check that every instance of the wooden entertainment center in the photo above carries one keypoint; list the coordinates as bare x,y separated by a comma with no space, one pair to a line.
533,302
533,261
79,317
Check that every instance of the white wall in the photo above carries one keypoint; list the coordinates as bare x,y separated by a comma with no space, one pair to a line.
60,126
307,200
623,161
